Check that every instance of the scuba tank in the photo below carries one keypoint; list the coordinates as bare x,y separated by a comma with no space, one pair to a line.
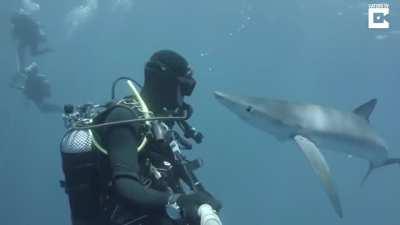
80,153
79,164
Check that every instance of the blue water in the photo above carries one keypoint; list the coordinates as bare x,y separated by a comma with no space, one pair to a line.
312,51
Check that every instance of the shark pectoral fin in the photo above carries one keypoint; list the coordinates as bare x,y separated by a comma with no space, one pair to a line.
321,168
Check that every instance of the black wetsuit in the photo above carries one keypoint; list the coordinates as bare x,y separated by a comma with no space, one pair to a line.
28,34
128,170
37,89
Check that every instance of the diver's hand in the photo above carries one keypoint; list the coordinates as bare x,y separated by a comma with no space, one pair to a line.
189,204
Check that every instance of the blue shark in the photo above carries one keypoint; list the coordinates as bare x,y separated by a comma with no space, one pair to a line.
312,127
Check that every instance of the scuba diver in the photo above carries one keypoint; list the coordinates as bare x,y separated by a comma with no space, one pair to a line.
28,34
123,161
36,88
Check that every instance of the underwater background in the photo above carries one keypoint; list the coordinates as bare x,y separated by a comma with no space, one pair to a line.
310,51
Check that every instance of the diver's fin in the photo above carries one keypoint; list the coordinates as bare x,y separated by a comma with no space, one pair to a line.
321,168
49,108
366,109
372,167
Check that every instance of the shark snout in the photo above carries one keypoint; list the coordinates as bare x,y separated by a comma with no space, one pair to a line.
219,95
222,97
231,102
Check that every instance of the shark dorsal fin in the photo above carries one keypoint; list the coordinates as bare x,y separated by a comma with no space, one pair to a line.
366,109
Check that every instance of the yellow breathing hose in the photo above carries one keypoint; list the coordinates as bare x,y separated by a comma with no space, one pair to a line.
144,107
147,115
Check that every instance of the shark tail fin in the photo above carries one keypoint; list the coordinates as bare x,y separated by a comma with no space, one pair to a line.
372,167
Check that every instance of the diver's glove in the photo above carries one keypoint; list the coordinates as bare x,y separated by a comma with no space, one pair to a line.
189,204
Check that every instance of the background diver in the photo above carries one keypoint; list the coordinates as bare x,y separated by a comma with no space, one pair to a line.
111,178
27,33
36,88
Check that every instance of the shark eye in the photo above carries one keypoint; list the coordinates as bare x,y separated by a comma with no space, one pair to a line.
249,109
